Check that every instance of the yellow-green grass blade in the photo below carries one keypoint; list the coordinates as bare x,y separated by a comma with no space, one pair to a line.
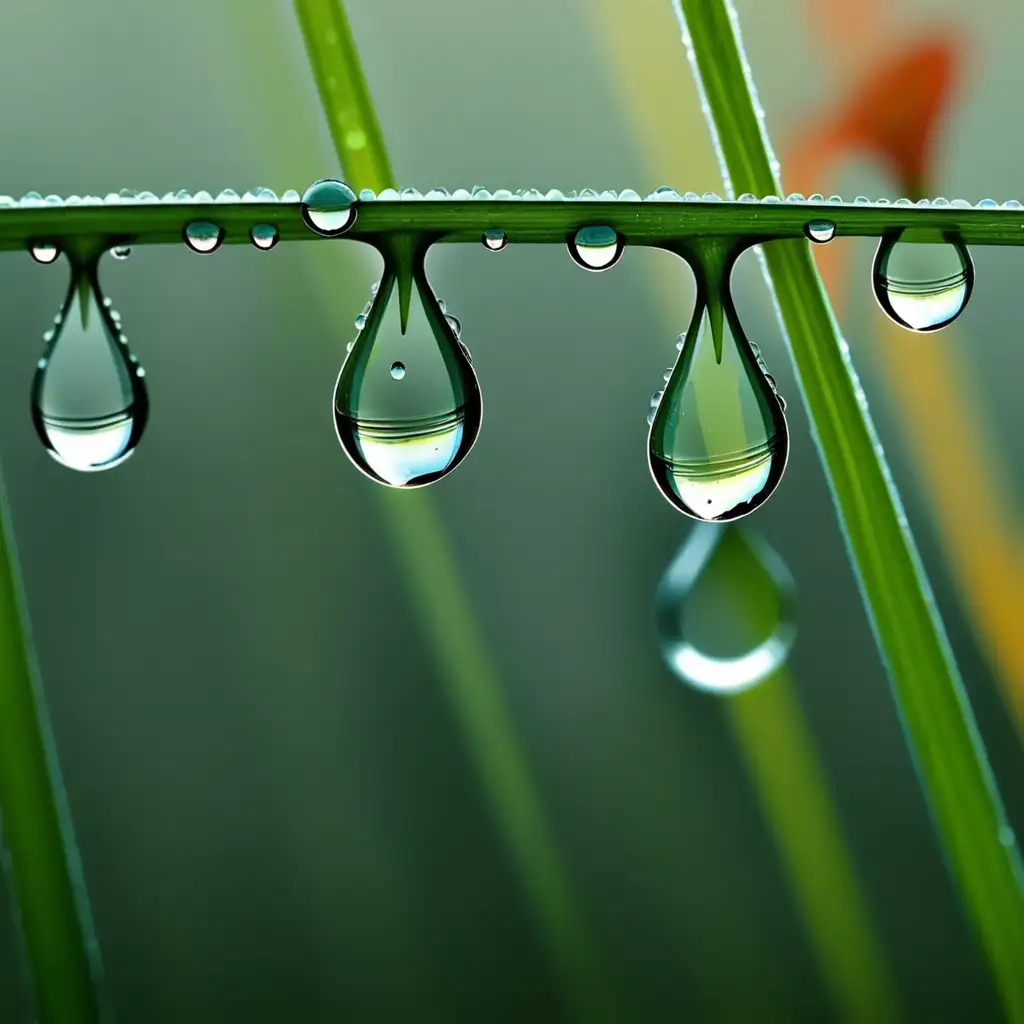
938,722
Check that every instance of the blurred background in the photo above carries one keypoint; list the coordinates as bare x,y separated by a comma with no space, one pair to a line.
274,797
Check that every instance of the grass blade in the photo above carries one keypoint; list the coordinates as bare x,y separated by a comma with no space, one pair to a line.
45,873
938,722
437,593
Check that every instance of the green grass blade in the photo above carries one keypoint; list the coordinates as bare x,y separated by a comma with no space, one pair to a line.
438,596
45,873
938,721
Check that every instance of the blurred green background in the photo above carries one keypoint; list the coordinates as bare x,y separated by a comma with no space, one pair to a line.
275,809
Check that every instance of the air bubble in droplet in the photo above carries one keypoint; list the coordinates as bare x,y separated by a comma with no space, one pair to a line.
328,207
922,286
597,247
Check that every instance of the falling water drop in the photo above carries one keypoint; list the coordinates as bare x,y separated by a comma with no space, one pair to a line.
820,231
328,207
725,610
89,399
263,236
596,248
121,252
203,236
418,433
495,239
923,286
44,252
718,444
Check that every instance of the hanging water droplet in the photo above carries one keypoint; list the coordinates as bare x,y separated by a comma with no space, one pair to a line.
922,286
597,247
44,252
263,236
455,324
121,252
418,433
725,610
495,239
719,443
203,236
328,207
820,231
89,399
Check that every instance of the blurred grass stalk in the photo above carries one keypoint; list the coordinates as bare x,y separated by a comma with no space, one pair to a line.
45,874
446,616
768,723
938,722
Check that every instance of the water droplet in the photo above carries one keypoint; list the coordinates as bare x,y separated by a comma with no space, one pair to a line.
45,252
263,236
820,231
418,433
360,321
203,236
719,443
495,239
121,252
725,610
922,286
596,248
89,401
327,207
455,324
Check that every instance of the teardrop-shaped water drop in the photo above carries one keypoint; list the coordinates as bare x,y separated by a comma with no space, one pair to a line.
263,236
44,252
328,207
820,231
597,247
719,443
89,400
407,404
923,286
495,239
725,610
203,236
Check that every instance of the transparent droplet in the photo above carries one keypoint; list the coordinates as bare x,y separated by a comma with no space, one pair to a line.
263,236
328,207
719,443
820,231
597,247
922,286
415,434
45,252
121,252
360,321
203,236
495,239
89,399
725,610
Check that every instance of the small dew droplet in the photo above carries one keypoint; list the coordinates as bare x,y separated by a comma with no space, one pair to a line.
263,236
121,252
597,247
495,239
45,252
327,207
397,370
203,236
922,286
820,231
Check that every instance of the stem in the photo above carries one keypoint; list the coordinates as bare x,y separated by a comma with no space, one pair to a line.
938,722
45,872
438,595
